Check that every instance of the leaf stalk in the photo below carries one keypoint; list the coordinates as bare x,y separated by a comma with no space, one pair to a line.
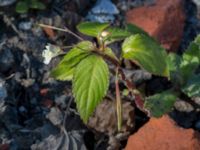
118,102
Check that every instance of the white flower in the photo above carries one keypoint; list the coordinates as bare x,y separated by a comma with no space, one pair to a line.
50,52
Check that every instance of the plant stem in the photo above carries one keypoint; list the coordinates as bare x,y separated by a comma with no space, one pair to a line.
131,87
60,29
64,47
118,102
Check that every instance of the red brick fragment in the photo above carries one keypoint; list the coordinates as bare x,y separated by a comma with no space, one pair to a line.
164,21
164,134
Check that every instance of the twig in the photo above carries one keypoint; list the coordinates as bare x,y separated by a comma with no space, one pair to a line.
9,22
60,29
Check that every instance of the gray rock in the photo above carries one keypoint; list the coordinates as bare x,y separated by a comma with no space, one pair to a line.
100,18
6,2
196,100
126,5
62,101
104,7
6,60
138,75
4,133
197,125
55,116
197,3
103,11
183,106
9,117
3,91
68,141
22,109
25,25
47,130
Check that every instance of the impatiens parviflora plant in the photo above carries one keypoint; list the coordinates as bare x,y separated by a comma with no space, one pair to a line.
86,66
184,69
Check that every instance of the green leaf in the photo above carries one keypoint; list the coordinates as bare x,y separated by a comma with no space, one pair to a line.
193,51
22,7
90,84
191,59
135,29
115,34
108,51
93,29
197,39
147,53
65,69
173,62
188,68
160,104
35,4
192,87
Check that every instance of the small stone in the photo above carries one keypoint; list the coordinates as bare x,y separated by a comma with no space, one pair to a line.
44,91
103,11
138,76
27,82
9,116
196,100
62,100
164,134
164,21
197,2
6,2
69,141
3,91
197,125
48,103
47,130
6,60
55,116
25,25
183,106
22,109
104,7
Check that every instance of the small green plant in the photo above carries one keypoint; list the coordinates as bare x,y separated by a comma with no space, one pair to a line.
23,6
86,65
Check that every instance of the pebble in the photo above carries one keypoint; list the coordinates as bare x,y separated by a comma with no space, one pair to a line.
62,101
197,2
6,2
3,91
196,100
103,11
6,60
22,109
138,76
183,106
26,25
55,116
197,125
9,117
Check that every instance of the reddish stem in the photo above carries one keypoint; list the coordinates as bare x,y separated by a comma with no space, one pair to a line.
131,87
